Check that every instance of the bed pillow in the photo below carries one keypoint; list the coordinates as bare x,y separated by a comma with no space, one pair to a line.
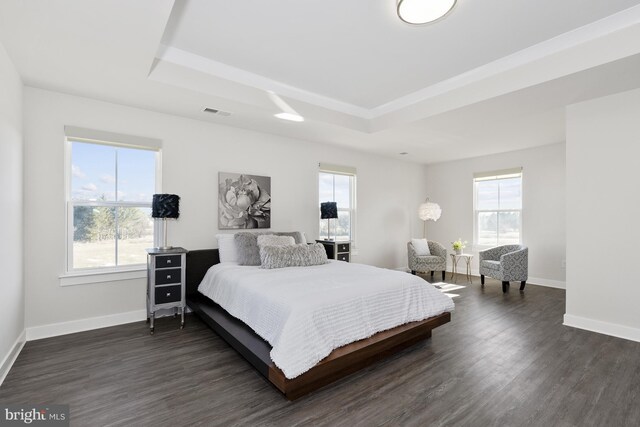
301,255
274,240
247,247
227,248
421,247
247,244
298,236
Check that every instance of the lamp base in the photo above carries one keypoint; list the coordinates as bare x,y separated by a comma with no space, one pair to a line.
329,238
165,246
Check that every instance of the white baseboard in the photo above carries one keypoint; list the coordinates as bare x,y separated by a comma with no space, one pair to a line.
11,357
613,329
558,284
73,326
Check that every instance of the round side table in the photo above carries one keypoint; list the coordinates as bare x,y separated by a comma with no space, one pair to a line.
454,268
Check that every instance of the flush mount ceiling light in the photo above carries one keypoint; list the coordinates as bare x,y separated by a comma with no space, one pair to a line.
423,11
290,116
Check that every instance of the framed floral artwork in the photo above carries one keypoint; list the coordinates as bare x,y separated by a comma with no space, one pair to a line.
244,201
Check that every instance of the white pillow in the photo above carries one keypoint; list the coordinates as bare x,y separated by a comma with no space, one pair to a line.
273,240
421,247
227,248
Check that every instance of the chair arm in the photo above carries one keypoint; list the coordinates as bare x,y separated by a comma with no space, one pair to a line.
412,258
492,254
516,258
411,251
437,249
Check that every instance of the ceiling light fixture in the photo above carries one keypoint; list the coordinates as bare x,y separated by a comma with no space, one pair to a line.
290,116
423,11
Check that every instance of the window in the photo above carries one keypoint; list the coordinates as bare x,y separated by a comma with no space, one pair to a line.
498,207
110,188
337,184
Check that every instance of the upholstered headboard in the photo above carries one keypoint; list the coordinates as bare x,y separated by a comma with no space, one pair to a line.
198,262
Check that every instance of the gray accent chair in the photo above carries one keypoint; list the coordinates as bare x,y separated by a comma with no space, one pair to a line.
437,261
505,263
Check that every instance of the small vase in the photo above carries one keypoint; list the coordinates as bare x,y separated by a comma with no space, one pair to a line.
458,251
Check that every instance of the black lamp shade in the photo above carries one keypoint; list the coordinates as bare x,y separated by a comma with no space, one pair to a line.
328,210
165,206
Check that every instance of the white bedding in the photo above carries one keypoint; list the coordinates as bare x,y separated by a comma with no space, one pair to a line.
307,312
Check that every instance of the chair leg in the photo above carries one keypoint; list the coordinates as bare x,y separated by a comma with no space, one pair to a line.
504,286
482,279
431,273
413,272
443,274
522,284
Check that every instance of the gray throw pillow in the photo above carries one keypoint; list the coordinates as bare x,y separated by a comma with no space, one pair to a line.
247,244
301,255
298,236
273,240
247,248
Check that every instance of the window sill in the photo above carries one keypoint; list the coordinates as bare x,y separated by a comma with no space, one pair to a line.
85,278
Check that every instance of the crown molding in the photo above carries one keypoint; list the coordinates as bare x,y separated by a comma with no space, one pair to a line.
496,78
237,75
566,41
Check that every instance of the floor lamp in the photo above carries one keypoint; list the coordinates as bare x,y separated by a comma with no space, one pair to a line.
429,211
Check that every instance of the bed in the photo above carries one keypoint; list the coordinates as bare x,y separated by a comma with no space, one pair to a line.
323,360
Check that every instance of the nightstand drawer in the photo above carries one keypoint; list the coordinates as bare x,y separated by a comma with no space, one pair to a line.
169,275
168,261
343,247
167,294
343,257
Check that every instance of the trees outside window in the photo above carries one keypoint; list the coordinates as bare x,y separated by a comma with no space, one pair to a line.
339,188
109,205
498,209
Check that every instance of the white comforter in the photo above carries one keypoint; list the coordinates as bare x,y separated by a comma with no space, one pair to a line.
307,312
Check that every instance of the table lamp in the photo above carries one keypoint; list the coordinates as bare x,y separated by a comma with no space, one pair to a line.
328,210
165,206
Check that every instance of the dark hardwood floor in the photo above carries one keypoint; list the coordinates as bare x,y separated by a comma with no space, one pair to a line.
504,360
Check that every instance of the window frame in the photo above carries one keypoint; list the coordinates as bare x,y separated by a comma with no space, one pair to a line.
71,275
496,176
351,173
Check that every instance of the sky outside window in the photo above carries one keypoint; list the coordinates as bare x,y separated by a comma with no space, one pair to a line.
93,172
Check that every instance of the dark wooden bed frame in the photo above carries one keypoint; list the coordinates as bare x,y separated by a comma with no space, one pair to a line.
340,363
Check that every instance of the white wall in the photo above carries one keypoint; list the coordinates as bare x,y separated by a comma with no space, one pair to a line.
193,154
603,231
450,185
11,237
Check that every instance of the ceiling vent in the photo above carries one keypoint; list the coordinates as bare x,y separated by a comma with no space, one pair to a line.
217,112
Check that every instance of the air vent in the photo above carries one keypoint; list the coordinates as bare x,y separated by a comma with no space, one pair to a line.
217,112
